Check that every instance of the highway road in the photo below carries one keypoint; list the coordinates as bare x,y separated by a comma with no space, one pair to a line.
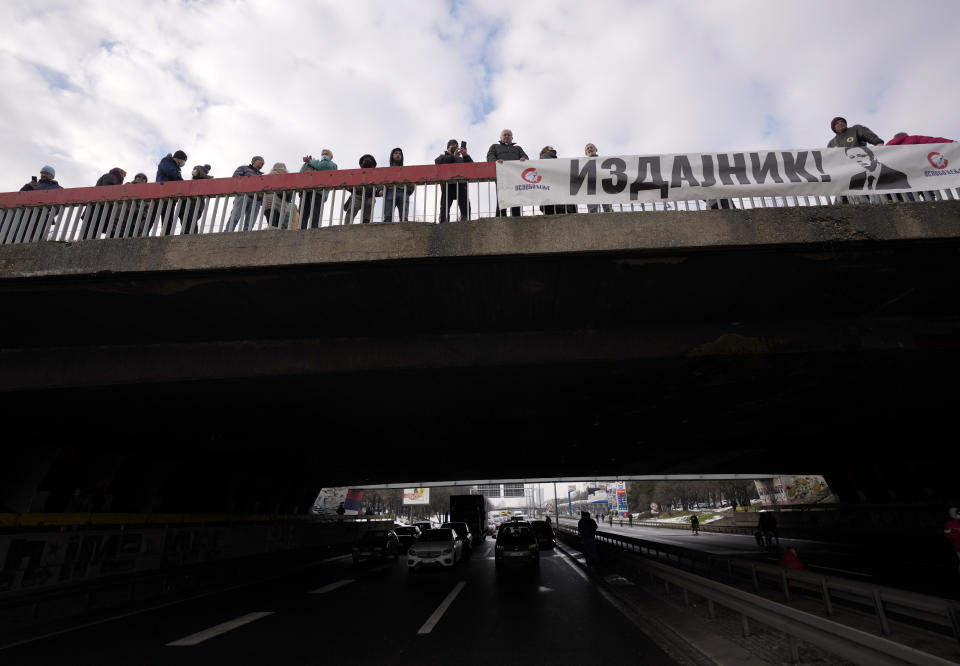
377,613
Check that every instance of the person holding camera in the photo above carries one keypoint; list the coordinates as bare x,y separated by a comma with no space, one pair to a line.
450,191
47,215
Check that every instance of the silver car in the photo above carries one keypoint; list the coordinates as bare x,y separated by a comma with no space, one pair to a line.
435,548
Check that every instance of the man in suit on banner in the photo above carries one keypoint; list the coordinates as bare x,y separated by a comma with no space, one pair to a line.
875,176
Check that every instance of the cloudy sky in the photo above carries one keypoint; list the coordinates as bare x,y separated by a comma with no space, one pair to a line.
89,84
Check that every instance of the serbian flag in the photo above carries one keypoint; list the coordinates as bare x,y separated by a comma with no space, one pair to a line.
353,501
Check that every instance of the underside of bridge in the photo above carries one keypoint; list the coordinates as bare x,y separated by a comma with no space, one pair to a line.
795,341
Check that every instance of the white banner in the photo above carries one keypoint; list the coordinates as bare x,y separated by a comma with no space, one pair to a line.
628,179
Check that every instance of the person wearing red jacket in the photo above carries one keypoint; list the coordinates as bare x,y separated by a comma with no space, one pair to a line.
951,529
904,139
790,559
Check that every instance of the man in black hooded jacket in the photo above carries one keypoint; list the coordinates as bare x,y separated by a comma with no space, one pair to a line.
362,199
450,191
397,195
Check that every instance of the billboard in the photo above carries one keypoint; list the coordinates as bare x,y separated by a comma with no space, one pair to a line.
329,499
416,496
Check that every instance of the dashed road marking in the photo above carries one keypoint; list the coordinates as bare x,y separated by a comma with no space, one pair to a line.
332,586
441,609
222,628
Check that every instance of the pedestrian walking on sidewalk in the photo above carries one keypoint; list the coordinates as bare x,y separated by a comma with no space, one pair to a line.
695,524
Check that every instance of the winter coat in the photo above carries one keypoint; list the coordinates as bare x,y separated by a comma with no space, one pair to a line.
168,170
41,185
246,170
587,527
789,560
112,177
858,135
323,164
447,158
506,152
911,139
951,530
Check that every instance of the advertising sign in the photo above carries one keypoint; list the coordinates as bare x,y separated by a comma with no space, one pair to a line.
416,496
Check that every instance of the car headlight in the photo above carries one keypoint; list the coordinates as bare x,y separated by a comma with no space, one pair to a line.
411,552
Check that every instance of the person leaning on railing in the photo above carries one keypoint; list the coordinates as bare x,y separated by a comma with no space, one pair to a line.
362,199
277,204
46,182
310,213
190,210
247,205
454,154
92,214
550,153
504,151
397,196
590,150
167,170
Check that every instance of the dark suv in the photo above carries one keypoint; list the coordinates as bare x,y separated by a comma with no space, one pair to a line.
376,544
516,544
463,534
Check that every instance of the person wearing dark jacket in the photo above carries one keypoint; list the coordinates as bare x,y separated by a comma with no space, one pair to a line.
587,528
248,204
168,170
848,137
102,214
169,167
397,196
191,210
450,191
362,199
550,153
505,151
46,215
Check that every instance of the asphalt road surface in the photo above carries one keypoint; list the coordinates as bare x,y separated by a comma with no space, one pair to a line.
376,613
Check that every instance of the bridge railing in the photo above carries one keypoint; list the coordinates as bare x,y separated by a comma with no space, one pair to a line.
425,194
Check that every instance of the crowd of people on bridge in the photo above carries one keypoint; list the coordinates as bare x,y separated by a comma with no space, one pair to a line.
396,199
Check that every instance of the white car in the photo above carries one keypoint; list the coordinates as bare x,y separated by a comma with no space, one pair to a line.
435,548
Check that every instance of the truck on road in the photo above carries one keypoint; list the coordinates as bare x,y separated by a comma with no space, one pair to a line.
472,510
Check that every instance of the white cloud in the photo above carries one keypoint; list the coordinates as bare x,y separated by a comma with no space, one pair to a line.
89,86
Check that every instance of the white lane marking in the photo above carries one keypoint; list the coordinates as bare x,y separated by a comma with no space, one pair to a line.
544,589
222,628
141,611
441,609
332,586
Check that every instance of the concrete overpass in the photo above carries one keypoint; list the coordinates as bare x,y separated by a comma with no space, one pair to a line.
240,372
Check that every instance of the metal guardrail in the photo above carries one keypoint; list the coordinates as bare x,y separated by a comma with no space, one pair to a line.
839,639
309,200
883,601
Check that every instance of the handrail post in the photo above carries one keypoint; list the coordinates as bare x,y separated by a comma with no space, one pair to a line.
881,613
828,604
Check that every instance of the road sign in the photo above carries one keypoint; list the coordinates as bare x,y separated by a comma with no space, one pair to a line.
550,506
654,507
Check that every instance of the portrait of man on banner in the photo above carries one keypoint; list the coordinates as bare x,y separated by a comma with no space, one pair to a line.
875,176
